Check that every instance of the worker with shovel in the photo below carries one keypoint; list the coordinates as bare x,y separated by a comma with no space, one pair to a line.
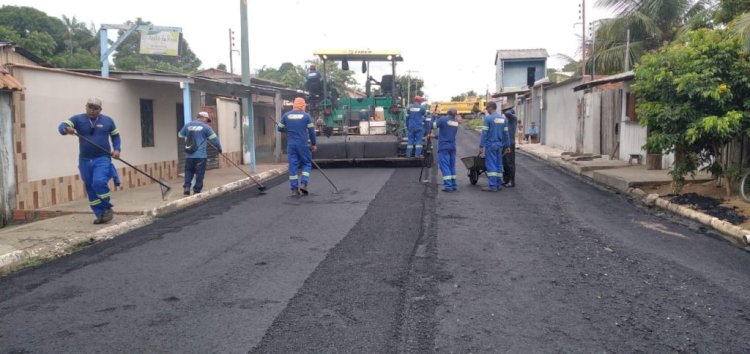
299,126
447,127
95,161
196,134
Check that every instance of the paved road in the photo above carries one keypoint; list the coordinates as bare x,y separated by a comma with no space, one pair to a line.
393,265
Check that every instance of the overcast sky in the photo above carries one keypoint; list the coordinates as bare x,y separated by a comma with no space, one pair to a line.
451,44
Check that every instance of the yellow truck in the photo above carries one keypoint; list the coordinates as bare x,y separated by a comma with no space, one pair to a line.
468,108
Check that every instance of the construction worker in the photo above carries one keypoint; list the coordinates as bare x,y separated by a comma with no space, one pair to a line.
509,159
415,127
447,128
299,127
196,134
95,161
314,85
494,142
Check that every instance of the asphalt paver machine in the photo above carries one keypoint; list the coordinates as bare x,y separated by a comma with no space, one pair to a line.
362,130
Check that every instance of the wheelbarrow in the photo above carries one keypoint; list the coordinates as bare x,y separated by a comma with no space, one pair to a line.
475,165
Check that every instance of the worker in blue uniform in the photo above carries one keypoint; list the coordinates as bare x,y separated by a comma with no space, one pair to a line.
95,161
447,127
299,127
196,157
415,127
494,142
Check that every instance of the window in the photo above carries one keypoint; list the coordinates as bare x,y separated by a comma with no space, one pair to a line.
630,107
147,123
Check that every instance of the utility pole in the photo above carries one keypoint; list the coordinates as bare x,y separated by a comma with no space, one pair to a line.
582,11
408,84
247,104
231,51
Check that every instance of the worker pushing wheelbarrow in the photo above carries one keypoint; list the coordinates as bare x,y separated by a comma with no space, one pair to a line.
475,165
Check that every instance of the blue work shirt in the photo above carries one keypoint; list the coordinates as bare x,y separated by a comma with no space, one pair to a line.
99,130
495,130
415,116
202,132
448,128
299,126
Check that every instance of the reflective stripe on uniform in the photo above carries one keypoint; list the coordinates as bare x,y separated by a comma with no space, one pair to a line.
418,146
69,123
114,132
452,177
447,178
96,202
293,178
494,174
484,127
310,125
281,125
105,195
306,174
212,136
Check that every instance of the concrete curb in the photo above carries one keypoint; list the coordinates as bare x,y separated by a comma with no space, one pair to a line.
11,260
735,233
179,204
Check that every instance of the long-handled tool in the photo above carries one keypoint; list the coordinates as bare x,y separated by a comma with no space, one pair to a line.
165,188
426,162
261,187
335,189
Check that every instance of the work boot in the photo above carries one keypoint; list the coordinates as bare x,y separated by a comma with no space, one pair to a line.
108,215
98,221
303,189
488,189
295,192
509,184
186,191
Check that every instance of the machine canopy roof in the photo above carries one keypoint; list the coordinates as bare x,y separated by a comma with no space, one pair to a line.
354,55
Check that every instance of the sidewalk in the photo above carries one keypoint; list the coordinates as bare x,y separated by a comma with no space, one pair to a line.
627,179
134,208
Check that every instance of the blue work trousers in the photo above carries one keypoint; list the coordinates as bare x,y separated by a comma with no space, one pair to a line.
300,157
414,142
197,168
95,173
494,164
447,161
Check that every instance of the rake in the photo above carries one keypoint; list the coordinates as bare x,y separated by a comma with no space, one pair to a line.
165,188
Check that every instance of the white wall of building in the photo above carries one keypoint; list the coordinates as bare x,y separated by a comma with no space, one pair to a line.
53,96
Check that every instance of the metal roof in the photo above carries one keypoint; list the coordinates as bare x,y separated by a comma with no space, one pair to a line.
27,54
8,82
514,54
626,76
356,54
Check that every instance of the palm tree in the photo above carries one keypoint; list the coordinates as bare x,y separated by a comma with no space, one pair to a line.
652,24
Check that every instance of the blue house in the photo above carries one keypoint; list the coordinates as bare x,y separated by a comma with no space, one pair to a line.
518,68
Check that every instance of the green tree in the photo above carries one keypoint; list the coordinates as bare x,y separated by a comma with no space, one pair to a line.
128,58
694,97
652,24
464,96
25,21
293,76
222,67
728,10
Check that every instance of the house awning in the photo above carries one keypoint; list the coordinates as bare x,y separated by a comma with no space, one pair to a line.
8,82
